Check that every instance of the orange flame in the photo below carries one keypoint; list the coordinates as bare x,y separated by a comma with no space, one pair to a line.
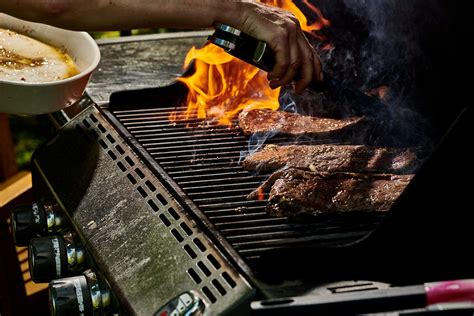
380,92
319,23
222,86
260,194
327,47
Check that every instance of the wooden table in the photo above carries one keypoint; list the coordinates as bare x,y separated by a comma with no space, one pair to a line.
12,183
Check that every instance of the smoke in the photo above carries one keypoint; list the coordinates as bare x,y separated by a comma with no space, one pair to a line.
397,50
395,34
287,101
256,142
373,43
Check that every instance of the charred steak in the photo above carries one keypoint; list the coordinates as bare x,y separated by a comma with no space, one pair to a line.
269,121
333,158
296,192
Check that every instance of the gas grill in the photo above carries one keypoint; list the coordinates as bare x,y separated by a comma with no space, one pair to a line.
203,159
161,207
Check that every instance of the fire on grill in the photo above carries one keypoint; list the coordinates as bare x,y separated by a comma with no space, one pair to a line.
334,171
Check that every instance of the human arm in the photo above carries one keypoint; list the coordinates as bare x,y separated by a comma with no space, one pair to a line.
279,28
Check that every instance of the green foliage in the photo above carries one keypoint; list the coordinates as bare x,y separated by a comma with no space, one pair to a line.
112,34
99,35
29,132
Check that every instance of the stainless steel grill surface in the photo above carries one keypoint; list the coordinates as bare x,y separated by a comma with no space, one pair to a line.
203,159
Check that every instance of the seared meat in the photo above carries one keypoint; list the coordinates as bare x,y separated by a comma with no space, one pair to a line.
333,158
296,192
265,120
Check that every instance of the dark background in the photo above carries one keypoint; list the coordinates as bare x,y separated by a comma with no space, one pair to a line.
419,48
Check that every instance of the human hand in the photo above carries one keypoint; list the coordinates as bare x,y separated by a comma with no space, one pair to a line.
295,58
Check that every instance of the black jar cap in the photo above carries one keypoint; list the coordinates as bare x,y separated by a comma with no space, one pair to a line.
47,259
27,221
70,296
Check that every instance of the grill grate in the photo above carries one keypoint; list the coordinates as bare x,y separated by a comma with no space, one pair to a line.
203,159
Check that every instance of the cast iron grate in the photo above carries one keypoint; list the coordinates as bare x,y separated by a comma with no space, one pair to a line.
203,159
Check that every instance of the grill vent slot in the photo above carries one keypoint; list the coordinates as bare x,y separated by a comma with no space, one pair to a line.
131,179
196,278
172,212
153,206
229,279
165,220
111,139
353,288
219,287
177,235
121,166
186,229
112,155
120,149
86,123
93,118
129,161
199,244
209,294
203,268
139,173
190,251
101,128
164,202
214,261
150,186
102,144
142,192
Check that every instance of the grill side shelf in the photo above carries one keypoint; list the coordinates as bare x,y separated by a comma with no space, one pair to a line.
141,239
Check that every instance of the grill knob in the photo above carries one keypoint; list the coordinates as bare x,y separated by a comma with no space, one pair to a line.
70,296
35,220
54,257
187,303
80,295
28,221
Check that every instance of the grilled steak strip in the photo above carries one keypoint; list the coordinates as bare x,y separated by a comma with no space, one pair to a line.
269,121
296,192
333,158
